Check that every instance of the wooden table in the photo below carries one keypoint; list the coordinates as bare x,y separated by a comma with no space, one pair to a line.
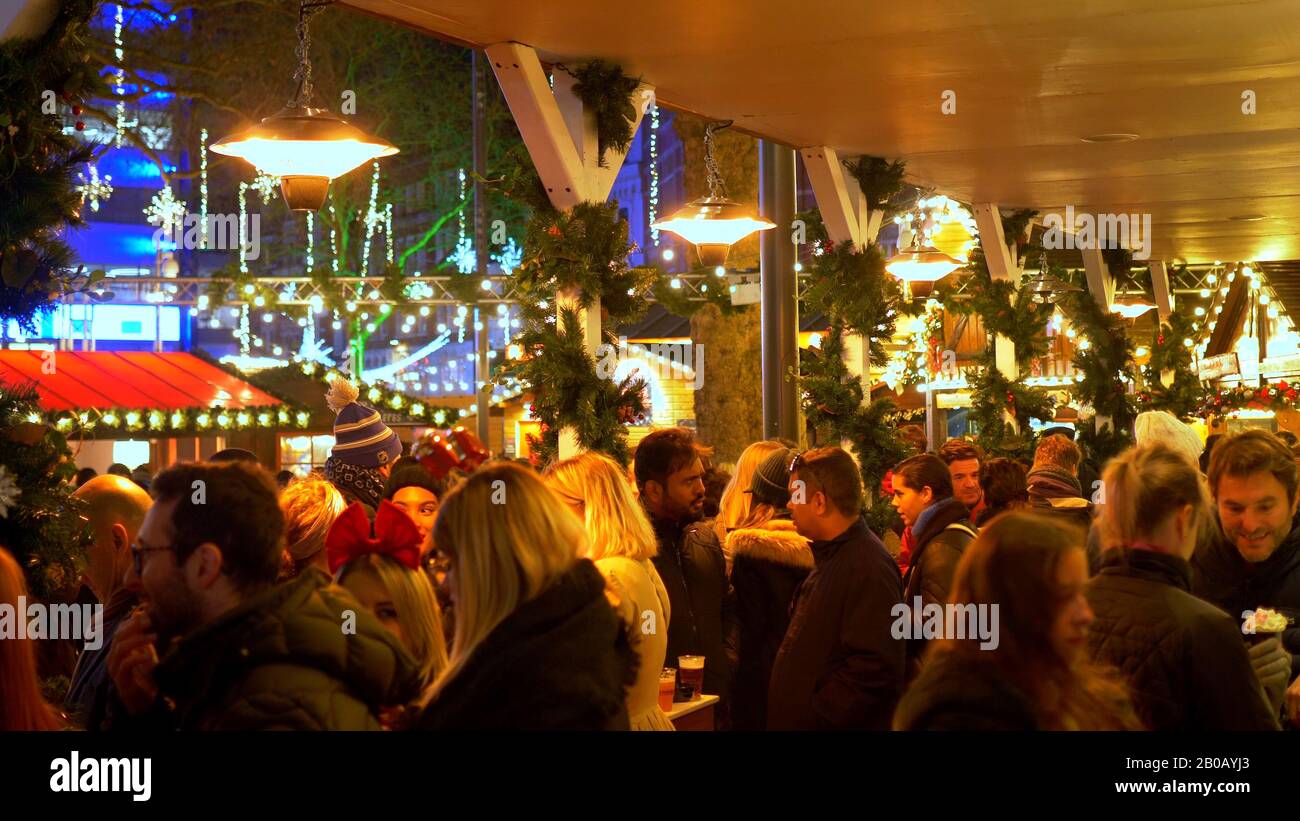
688,716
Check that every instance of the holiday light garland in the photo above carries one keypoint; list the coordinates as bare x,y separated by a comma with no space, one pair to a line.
203,185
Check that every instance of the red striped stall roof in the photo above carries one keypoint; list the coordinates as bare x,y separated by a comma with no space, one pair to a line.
85,380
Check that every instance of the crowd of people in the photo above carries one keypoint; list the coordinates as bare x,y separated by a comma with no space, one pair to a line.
379,593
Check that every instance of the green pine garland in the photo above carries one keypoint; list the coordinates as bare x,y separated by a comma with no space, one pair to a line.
1103,364
1005,308
881,181
992,393
41,524
606,91
833,400
568,392
851,287
1185,395
38,200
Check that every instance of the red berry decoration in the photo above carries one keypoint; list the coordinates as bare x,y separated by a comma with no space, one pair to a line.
76,110
1282,385
554,230
81,126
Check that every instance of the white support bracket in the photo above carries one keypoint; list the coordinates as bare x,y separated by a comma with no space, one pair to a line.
562,140
1100,282
560,135
842,205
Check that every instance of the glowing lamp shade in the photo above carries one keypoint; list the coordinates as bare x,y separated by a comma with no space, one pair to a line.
305,148
924,264
1131,310
713,225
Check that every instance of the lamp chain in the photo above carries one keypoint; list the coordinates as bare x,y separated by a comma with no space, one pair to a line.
717,188
303,94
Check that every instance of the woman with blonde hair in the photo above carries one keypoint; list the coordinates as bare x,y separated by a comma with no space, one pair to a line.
21,705
310,506
385,575
1185,658
734,506
621,542
537,645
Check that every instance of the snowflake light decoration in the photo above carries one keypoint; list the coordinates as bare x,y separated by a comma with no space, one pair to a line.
165,210
509,257
466,260
94,188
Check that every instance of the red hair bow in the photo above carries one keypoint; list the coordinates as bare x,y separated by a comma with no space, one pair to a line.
395,536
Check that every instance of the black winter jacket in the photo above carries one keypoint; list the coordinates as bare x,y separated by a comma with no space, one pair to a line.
1184,658
561,661
769,564
694,572
957,691
839,667
945,532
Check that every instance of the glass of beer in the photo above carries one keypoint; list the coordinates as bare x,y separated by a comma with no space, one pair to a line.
667,686
692,674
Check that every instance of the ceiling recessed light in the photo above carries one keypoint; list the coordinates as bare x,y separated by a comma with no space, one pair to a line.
1111,138
1249,217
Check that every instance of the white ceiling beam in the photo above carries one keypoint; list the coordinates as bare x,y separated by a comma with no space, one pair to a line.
1100,282
842,206
560,136
1001,261
1160,285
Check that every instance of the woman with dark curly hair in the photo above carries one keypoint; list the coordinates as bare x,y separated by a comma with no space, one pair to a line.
1005,488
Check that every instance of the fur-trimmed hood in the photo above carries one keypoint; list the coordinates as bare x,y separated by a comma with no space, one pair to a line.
776,541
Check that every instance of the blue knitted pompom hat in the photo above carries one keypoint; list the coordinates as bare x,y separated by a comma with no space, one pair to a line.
360,436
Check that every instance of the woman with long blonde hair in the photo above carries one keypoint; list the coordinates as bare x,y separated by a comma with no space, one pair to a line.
21,705
537,644
385,575
736,502
621,542
1189,667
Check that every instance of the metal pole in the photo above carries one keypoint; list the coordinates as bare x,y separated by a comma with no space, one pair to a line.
780,300
482,322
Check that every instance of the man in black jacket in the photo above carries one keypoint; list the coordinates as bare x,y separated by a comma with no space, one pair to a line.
669,475
838,668
1256,563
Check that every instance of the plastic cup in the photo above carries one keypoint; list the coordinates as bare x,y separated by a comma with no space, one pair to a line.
667,686
691,672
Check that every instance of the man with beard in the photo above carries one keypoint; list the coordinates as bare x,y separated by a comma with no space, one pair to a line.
1256,563
238,652
669,475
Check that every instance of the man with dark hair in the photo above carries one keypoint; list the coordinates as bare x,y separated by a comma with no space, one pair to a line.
1256,562
238,652
670,477
838,667
963,460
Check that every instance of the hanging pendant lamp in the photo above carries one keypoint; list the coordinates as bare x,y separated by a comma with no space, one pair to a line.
305,147
713,223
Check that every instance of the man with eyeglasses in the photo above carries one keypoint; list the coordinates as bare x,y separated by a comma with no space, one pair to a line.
115,509
839,668
217,645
